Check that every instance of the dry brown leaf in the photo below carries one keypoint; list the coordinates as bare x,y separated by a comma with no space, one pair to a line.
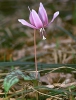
52,78
67,85
5,54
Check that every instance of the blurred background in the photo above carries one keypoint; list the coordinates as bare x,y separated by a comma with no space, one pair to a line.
16,40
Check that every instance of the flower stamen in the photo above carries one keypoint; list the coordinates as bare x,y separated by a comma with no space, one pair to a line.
42,33
44,37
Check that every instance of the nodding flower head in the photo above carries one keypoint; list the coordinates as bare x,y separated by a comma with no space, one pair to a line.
39,20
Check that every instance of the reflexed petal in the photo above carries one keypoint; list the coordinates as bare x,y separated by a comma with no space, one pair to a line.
54,16
37,21
43,15
31,19
26,23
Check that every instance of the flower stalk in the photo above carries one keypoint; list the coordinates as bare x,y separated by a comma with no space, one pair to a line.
35,53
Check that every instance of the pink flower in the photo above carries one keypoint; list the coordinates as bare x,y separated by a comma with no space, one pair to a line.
40,20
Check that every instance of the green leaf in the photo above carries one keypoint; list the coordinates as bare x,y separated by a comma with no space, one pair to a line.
10,80
31,65
32,74
13,78
25,77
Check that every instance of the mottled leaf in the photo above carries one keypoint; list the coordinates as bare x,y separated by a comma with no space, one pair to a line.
13,78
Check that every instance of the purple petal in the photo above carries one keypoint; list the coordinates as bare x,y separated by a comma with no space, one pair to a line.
31,19
37,21
43,15
26,23
54,16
